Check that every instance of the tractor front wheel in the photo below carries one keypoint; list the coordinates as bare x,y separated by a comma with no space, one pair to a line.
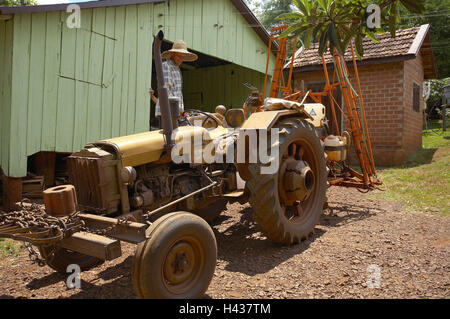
177,260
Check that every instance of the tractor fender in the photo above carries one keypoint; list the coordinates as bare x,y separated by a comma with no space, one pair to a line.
267,119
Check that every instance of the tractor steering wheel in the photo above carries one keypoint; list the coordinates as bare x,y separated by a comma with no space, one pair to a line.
192,112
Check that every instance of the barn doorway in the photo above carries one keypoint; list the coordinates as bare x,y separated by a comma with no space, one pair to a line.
191,97
210,81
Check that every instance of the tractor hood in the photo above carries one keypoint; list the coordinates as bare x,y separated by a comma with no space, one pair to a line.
146,147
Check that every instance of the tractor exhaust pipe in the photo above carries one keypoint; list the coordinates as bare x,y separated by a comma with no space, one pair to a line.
163,93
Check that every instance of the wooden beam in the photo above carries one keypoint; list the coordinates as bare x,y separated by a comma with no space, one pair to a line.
419,39
93,245
12,192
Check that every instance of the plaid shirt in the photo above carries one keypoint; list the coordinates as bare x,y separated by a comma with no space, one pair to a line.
174,83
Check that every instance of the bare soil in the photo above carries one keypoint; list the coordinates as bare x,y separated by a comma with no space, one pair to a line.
410,249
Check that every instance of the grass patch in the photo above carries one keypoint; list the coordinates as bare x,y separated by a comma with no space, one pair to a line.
423,181
10,247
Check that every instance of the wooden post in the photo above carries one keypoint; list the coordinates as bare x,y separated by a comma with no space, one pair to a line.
44,164
12,192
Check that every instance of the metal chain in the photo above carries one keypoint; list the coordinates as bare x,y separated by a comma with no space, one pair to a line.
105,231
34,216
34,257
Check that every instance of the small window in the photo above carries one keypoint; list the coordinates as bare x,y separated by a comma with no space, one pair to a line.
416,97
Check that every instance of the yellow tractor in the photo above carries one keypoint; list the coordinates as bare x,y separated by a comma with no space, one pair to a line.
159,190
136,176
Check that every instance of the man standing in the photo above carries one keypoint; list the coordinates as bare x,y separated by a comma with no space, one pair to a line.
172,73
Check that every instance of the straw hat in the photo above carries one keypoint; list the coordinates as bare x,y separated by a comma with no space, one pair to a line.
180,46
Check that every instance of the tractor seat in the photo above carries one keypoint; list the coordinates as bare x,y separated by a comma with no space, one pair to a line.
235,117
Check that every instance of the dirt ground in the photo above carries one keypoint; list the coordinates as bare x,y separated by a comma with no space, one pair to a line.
356,239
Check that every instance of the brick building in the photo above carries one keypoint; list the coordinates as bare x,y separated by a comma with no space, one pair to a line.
391,73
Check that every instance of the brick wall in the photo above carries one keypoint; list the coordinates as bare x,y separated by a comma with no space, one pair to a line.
382,90
394,128
412,131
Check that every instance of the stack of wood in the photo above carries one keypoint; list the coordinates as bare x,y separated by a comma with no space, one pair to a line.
32,186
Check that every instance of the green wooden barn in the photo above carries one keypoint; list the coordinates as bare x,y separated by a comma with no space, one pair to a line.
63,87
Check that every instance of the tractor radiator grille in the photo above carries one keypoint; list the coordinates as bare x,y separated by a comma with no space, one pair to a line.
88,177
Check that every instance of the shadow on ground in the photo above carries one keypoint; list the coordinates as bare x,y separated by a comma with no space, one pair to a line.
119,285
47,280
240,244
341,213
246,251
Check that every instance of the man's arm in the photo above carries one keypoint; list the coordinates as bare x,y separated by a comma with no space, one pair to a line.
153,97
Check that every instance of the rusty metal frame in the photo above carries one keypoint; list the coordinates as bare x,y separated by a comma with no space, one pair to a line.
353,109
277,76
93,242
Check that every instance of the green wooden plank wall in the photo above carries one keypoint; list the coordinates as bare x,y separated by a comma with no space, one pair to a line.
214,27
63,88
5,89
73,86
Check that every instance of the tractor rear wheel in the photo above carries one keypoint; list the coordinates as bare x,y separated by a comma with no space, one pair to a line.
177,260
288,203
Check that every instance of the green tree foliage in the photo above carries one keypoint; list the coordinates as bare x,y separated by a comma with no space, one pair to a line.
271,9
255,6
437,14
435,98
333,23
16,3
